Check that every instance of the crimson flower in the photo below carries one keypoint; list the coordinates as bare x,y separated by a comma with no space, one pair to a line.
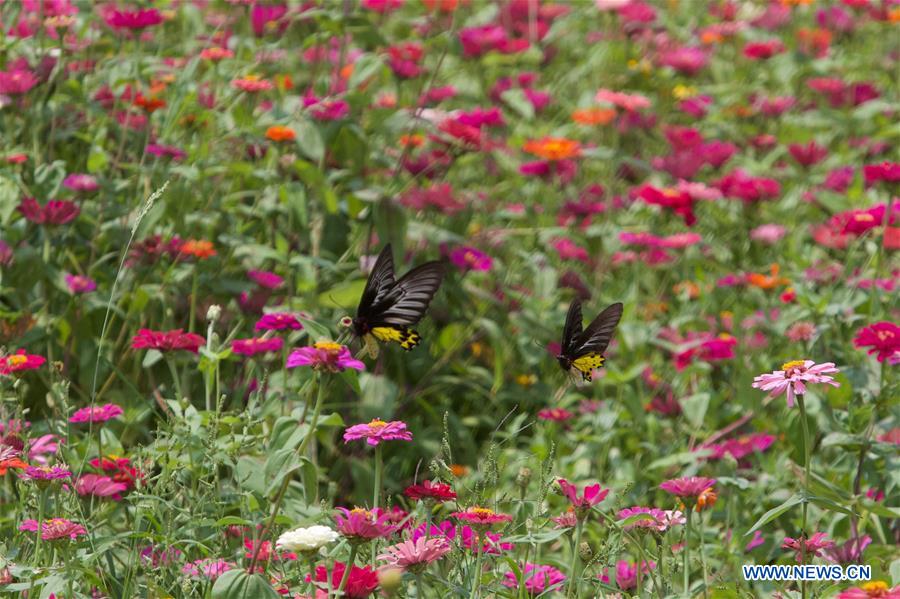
883,339
19,361
427,490
133,19
361,582
54,212
164,341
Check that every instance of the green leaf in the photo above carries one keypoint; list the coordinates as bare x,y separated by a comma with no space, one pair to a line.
151,357
775,512
233,521
519,102
238,584
310,476
309,140
828,504
343,296
249,475
280,465
695,407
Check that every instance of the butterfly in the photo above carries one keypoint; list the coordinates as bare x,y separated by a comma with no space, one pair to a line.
389,308
583,349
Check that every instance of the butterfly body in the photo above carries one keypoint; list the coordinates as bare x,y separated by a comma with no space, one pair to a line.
389,308
582,349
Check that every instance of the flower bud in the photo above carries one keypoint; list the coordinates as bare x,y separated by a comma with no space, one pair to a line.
523,478
585,552
390,579
213,313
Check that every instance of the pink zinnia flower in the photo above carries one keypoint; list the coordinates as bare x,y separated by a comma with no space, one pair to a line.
81,182
415,555
209,568
808,154
360,525
98,485
40,448
278,321
882,338
490,542
165,341
769,234
19,361
755,542
811,547
691,487
888,172
626,574
55,529
45,473
538,579
481,517
16,82
877,589
793,378
96,413
327,356
651,518
376,431
79,283
133,19
583,502
256,345
555,414
266,279
468,258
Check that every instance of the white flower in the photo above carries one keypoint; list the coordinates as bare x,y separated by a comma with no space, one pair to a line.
306,539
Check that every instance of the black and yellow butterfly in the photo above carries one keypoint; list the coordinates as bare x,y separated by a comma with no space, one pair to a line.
583,349
388,309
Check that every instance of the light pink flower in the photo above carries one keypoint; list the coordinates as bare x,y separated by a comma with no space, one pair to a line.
415,555
98,485
793,378
79,283
361,525
376,431
207,568
55,529
769,234
538,579
812,546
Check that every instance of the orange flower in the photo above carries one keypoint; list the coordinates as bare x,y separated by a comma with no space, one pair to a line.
814,41
11,463
347,71
894,15
767,281
280,133
706,499
413,140
594,116
199,248
150,104
689,288
284,82
441,5
709,37
458,470
553,148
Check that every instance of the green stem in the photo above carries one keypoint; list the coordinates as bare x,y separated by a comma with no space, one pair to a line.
176,380
574,574
193,315
379,467
320,399
687,553
476,584
347,567
662,549
804,431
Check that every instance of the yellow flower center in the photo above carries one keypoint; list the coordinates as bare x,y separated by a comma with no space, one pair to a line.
482,511
16,360
361,511
671,193
874,586
885,335
865,218
377,423
792,365
329,346
681,92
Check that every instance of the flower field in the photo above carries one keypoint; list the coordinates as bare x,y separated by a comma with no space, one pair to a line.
489,299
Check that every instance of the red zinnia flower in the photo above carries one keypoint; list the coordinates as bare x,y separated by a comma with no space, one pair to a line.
167,340
436,491
361,582
54,212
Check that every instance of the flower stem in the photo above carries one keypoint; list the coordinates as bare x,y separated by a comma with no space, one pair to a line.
687,553
320,398
193,316
574,574
347,567
804,432
379,467
176,380
476,584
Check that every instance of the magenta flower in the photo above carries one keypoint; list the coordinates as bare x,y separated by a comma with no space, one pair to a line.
16,82
96,413
79,283
167,340
268,18
415,555
882,338
256,345
538,579
555,414
626,574
793,378
755,542
46,473
19,361
591,496
651,518
163,151
266,279
877,589
81,182
811,547
133,19
54,212
361,526
278,321
692,486
98,485
327,356
468,258
55,529
376,431
470,540
740,447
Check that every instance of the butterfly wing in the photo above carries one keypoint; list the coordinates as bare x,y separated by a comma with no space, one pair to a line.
572,330
405,302
587,353
599,333
380,282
